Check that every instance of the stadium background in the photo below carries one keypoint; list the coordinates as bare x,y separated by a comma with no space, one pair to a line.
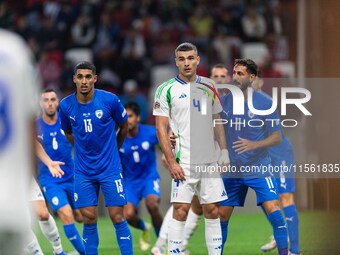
136,40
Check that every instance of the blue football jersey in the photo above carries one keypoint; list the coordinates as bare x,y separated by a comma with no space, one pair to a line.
58,148
249,126
94,130
138,155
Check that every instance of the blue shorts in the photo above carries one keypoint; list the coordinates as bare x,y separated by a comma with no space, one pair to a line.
136,191
237,188
59,195
286,181
86,190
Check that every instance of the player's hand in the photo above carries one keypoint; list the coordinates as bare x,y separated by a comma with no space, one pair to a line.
223,159
55,170
176,172
243,145
173,138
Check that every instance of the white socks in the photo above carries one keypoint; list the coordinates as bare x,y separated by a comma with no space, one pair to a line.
175,236
33,247
50,230
213,236
190,226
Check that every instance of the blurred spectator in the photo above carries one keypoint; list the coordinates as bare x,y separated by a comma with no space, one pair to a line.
131,94
49,70
83,31
253,25
106,44
48,36
201,24
6,16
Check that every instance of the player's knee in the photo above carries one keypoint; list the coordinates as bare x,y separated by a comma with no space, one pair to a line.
43,214
117,218
66,215
89,217
180,213
271,206
211,211
286,199
152,206
78,217
129,214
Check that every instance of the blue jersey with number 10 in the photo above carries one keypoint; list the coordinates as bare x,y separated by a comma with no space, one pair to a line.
138,155
93,126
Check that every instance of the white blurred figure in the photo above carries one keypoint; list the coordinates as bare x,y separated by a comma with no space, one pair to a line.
18,105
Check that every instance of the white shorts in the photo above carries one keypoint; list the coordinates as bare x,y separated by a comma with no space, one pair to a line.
36,193
207,185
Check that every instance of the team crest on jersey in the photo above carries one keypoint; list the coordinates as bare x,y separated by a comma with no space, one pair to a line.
250,114
55,200
157,105
145,145
99,114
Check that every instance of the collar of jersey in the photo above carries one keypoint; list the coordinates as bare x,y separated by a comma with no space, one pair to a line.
183,82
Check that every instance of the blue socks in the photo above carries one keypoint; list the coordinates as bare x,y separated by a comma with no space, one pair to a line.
292,220
224,228
124,238
91,239
157,230
141,225
280,231
73,236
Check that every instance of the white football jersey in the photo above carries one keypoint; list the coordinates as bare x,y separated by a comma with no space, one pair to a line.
190,108
18,106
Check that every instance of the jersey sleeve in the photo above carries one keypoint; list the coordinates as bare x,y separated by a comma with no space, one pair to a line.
161,105
64,120
118,111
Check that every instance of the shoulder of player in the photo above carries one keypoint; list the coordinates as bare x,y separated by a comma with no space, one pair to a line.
205,80
146,128
262,98
163,87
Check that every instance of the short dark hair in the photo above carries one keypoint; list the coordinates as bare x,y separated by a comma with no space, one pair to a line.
133,106
248,63
85,65
185,47
47,90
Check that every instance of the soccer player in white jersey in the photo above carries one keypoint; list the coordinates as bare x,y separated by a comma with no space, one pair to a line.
191,102
17,84
219,74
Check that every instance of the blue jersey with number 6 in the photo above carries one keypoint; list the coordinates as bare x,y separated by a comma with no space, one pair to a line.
138,155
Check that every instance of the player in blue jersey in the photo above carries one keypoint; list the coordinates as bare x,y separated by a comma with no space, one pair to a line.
283,155
59,192
140,174
247,146
89,117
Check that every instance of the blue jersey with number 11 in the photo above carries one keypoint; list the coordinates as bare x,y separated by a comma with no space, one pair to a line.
93,126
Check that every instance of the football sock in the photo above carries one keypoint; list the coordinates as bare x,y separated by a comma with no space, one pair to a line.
213,236
91,239
280,231
292,220
124,238
73,236
50,230
175,236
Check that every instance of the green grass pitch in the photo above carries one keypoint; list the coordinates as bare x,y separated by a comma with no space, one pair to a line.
247,232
